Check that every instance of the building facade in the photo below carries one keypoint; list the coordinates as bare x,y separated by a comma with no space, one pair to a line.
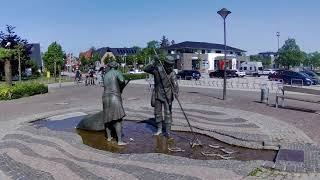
87,54
35,55
115,52
204,56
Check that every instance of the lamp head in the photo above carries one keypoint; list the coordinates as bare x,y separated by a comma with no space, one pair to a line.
8,44
224,13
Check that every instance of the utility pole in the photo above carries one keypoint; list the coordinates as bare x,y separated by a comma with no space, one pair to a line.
59,76
55,70
278,35
19,65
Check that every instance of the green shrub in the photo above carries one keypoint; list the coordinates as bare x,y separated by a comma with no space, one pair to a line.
22,90
135,76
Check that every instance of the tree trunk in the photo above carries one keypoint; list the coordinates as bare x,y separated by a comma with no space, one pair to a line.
8,72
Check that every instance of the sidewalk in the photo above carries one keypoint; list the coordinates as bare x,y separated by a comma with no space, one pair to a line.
58,155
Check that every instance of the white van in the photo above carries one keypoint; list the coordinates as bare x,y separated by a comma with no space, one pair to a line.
252,68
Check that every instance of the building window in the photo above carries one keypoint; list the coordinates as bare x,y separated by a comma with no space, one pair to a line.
231,52
208,51
245,68
203,51
218,51
250,68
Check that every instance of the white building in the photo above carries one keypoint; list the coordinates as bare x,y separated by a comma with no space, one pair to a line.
204,56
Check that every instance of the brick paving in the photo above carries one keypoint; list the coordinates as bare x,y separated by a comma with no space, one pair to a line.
209,114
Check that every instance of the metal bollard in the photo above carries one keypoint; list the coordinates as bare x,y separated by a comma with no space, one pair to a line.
264,93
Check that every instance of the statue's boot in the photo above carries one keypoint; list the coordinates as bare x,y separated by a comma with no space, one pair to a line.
168,120
108,132
118,127
159,129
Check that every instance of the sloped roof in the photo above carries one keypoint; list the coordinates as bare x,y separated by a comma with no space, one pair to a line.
201,45
116,51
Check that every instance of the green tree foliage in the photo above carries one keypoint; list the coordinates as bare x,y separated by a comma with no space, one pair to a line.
153,44
108,59
10,38
164,42
85,63
290,54
95,57
266,61
5,53
52,55
30,63
312,60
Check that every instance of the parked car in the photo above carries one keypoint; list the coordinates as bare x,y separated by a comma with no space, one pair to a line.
268,71
315,78
276,75
252,68
135,71
220,73
240,73
292,77
189,74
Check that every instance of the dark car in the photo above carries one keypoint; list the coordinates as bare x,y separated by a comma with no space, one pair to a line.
292,77
189,74
315,78
220,73
276,75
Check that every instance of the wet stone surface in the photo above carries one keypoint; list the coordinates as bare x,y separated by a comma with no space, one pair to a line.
140,140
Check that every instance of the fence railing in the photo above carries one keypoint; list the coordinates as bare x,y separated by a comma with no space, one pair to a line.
232,83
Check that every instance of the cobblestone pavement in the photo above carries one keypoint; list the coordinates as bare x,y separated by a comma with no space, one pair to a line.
60,155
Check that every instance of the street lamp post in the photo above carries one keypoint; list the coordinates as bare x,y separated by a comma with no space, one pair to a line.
278,35
224,13
125,62
55,70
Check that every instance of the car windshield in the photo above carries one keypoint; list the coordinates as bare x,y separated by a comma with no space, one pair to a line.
310,73
304,74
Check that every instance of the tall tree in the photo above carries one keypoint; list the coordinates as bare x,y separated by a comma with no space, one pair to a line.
10,40
312,60
290,54
54,56
153,44
84,62
164,42
95,57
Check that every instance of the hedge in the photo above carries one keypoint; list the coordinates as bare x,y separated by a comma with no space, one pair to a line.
22,90
135,76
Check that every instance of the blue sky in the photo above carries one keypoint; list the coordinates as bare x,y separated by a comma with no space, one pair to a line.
80,24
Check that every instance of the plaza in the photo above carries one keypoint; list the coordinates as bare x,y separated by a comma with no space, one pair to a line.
168,90
240,121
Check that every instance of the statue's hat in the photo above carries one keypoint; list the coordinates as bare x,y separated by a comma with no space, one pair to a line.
113,64
169,60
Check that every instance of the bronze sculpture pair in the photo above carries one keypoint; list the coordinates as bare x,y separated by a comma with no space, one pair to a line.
165,86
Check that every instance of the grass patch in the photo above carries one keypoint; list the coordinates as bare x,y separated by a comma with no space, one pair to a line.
20,90
42,80
255,172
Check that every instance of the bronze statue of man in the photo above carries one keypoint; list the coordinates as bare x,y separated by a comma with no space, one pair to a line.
113,111
165,86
